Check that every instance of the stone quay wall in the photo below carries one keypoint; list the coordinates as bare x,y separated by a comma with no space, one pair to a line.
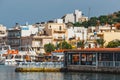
87,68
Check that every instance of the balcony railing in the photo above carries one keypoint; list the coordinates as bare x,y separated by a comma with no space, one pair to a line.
58,39
59,31
109,63
41,64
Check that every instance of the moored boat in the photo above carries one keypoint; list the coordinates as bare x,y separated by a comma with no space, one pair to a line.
24,54
3,50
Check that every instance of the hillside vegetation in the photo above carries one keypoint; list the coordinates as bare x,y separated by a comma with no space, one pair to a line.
111,19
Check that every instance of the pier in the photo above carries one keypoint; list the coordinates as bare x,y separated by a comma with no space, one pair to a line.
102,60
40,67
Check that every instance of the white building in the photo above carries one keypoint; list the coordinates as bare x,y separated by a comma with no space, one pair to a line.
68,18
58,20
77,15
74,17
77,33
28,30
3,33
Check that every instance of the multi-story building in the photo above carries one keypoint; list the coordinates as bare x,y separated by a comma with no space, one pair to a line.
3,34
28,30
39,26
109,36
38,43
26,41
76,34
14,38
57,31
77,16
37,39
21,35
58,20
107,32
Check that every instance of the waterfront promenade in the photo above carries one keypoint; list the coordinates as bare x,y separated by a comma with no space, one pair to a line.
105,60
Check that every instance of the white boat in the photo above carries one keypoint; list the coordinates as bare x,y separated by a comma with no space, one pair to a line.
59,54
3,50
27,51
11,57
24,54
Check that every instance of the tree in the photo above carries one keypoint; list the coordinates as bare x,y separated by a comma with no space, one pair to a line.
86,24
49,47
113,44
77,24
64,45
93,21
103,19
80,44
100,42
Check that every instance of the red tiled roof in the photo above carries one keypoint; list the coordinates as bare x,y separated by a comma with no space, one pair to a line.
95,50
60,50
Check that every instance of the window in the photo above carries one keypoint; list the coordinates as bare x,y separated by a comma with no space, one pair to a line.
60,28
50,26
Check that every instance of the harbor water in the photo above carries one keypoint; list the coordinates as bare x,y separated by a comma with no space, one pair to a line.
8,73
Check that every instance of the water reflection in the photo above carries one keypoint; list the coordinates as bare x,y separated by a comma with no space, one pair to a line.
7,73
67,76
91,76
41,76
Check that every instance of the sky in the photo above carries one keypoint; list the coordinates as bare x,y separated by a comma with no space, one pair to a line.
33,11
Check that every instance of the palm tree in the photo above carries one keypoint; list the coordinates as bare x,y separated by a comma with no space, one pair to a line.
64,45
100,42
80,44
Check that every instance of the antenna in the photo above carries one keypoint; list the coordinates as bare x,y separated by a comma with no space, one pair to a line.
26,23
89,13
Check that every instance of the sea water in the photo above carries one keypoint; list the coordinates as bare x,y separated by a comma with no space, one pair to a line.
8,73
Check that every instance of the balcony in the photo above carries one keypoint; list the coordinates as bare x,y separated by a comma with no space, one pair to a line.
59,31
58,39
100,34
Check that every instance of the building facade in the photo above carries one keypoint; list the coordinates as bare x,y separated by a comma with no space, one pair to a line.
106,32
28,30
38,43
76,34
58,31
3,34
77,16
14,38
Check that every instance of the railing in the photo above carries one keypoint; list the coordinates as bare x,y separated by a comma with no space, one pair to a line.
58,39
109,63
59,31
41,64
105,63
117,63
